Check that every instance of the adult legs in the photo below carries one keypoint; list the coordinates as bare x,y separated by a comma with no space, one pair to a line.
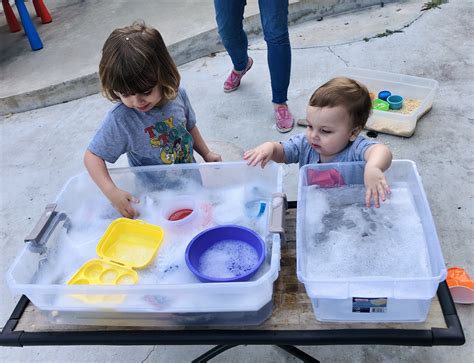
274,17
229,18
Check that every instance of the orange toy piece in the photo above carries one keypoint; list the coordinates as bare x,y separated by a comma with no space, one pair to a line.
460,285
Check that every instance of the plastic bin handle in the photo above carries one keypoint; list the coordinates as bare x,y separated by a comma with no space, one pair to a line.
48,221
277,214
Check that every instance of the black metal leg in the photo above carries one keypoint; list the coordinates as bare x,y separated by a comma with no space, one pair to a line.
218,349
222,348
298,353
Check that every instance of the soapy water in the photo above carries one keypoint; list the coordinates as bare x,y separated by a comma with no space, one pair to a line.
245,205
228,259
343,238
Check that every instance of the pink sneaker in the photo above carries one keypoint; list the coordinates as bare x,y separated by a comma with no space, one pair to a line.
233,81
284,118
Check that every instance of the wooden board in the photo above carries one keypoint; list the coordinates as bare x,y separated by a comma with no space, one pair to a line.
292,308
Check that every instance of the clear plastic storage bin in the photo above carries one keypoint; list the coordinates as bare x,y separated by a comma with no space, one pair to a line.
366,264
166,292
416,88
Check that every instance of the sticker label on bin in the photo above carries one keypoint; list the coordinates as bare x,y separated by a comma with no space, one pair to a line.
369,304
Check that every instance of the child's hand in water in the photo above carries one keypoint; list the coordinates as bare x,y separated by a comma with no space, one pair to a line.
211,157
262,153
376,186
122,201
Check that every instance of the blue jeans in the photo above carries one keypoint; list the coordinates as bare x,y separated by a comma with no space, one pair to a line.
274,17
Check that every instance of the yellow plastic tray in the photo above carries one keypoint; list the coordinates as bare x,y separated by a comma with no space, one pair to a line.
126,244
99,272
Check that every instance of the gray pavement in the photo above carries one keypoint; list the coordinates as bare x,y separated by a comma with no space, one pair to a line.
41,149
66,68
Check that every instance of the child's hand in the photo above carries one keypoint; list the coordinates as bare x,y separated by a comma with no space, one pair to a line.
262,153
212,156
122,201
376,185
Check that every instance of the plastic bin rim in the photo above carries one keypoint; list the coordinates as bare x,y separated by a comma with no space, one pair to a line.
341,71
394,161
113,289
440,277
224,164
398,115
197,166
241,308
272,274
326,166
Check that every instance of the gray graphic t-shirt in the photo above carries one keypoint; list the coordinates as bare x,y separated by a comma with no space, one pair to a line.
297,150
159,136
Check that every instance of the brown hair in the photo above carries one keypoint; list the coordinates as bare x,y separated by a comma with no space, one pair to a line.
346,92
134,60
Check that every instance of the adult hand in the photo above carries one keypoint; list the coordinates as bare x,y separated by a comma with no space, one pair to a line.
122,201
376,186
212,156
262,153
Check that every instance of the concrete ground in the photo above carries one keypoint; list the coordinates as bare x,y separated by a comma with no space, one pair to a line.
41,149
75,37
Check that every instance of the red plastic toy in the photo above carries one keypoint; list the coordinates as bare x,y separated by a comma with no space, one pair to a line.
326,178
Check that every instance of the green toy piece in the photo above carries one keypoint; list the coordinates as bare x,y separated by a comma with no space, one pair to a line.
380,105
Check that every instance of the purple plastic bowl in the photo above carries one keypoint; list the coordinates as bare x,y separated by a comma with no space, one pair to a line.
207,238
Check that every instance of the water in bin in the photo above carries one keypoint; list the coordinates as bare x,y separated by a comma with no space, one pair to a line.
63,255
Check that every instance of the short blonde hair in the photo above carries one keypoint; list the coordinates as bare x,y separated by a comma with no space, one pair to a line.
135,60
346,92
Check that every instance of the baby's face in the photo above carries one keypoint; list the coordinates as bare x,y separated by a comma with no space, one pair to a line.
142,102
329,130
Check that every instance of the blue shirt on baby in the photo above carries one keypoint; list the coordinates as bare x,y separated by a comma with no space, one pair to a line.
159,136
298,150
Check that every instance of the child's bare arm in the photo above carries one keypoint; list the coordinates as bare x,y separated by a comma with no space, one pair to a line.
121,200
201,147
264,153
378,159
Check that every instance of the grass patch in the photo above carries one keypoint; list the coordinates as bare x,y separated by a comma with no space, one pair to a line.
386,33
433,4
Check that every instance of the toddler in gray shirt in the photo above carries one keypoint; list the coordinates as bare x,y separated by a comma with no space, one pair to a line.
336,114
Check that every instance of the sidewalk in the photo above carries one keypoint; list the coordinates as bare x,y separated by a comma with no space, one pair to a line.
41,149
66,68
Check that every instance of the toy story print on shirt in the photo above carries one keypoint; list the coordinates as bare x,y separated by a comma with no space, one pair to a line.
175,143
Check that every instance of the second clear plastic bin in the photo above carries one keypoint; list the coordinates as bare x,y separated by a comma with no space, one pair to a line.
366,264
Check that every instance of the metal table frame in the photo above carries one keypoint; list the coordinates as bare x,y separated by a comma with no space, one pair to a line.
225,339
